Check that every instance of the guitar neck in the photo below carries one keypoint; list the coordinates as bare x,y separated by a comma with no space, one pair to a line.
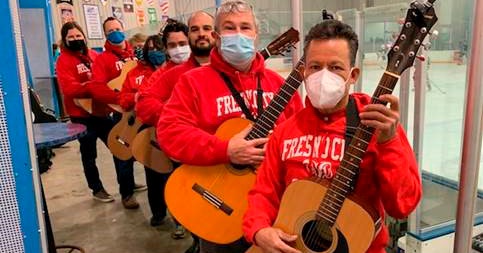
266,121
265,53
345,179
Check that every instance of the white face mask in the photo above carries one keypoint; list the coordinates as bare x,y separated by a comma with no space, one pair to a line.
179,54
325,89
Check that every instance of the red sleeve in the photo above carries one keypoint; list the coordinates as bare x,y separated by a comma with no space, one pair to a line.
100,77
178,132
398,176
264,198
128,91
149,104
68,79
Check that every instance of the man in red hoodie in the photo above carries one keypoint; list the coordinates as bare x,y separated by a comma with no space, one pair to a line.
201,101
175,40
107,66
311,144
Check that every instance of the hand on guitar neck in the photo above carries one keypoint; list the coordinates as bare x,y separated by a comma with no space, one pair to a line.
382,118
246,152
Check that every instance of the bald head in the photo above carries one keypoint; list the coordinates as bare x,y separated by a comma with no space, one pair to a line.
200,26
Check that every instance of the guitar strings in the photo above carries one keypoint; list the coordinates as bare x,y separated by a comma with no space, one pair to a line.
318,228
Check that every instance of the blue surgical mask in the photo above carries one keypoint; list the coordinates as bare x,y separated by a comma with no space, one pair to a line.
156,57
237,49
138,51
116,37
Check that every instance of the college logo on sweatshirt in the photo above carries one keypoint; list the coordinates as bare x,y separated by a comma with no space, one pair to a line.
228,105
139,80
119,65
81,68
317,153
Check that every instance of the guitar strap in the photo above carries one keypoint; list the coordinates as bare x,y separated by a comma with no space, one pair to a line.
352,120
240,101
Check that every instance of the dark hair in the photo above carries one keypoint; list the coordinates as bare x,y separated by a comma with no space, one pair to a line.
65,29
334,29
158,44
111,19
173,26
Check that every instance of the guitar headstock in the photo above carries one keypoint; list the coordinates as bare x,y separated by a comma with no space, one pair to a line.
420,18
282,43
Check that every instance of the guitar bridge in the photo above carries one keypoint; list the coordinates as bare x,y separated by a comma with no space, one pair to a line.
212,199
122,142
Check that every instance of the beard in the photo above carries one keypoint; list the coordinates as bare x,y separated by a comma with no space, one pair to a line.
201,51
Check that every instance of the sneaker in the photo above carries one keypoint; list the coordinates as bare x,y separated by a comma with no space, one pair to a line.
178,233
103,196
140,187
156,221
130,202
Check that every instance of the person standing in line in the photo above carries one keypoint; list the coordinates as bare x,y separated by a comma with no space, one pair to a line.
106,67
154,57
201,102
152,98
312,144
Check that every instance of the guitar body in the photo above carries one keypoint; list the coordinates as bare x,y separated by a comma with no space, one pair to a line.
145,150
116,83
122,134
100,109
354,230
210,201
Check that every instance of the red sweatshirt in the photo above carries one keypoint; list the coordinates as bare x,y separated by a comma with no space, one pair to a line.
106,67
201,102
310,144
152,97
72,75
134,79
158,73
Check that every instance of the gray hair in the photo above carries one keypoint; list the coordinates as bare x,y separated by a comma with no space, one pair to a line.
234,6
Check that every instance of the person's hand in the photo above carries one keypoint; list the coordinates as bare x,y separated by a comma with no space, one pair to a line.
241,151
382,118
274,240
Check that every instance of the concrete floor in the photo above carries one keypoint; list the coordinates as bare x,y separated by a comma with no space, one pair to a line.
77,219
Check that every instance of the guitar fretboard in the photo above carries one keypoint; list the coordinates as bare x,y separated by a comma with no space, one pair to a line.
266,121
345,179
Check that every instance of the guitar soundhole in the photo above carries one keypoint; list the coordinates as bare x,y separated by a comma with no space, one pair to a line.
131,120
317,235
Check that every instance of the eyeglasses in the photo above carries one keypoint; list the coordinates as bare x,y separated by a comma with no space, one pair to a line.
234,6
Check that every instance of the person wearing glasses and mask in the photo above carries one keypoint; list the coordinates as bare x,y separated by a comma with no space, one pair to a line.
312,144
107,66
201,101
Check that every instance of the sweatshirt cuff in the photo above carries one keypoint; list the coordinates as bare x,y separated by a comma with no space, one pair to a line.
395,140
250,234
221,152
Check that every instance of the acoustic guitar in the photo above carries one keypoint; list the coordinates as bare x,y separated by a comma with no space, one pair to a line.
210,200
326,216
122,135
100,109
146,150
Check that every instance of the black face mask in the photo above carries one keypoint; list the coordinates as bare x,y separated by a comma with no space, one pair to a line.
76,45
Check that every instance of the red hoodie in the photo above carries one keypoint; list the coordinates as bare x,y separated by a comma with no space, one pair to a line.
158,73
72,75
310,144
152,97
134,81
106,67
201,102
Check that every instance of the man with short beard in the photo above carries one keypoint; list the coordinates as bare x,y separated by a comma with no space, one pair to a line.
152,98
